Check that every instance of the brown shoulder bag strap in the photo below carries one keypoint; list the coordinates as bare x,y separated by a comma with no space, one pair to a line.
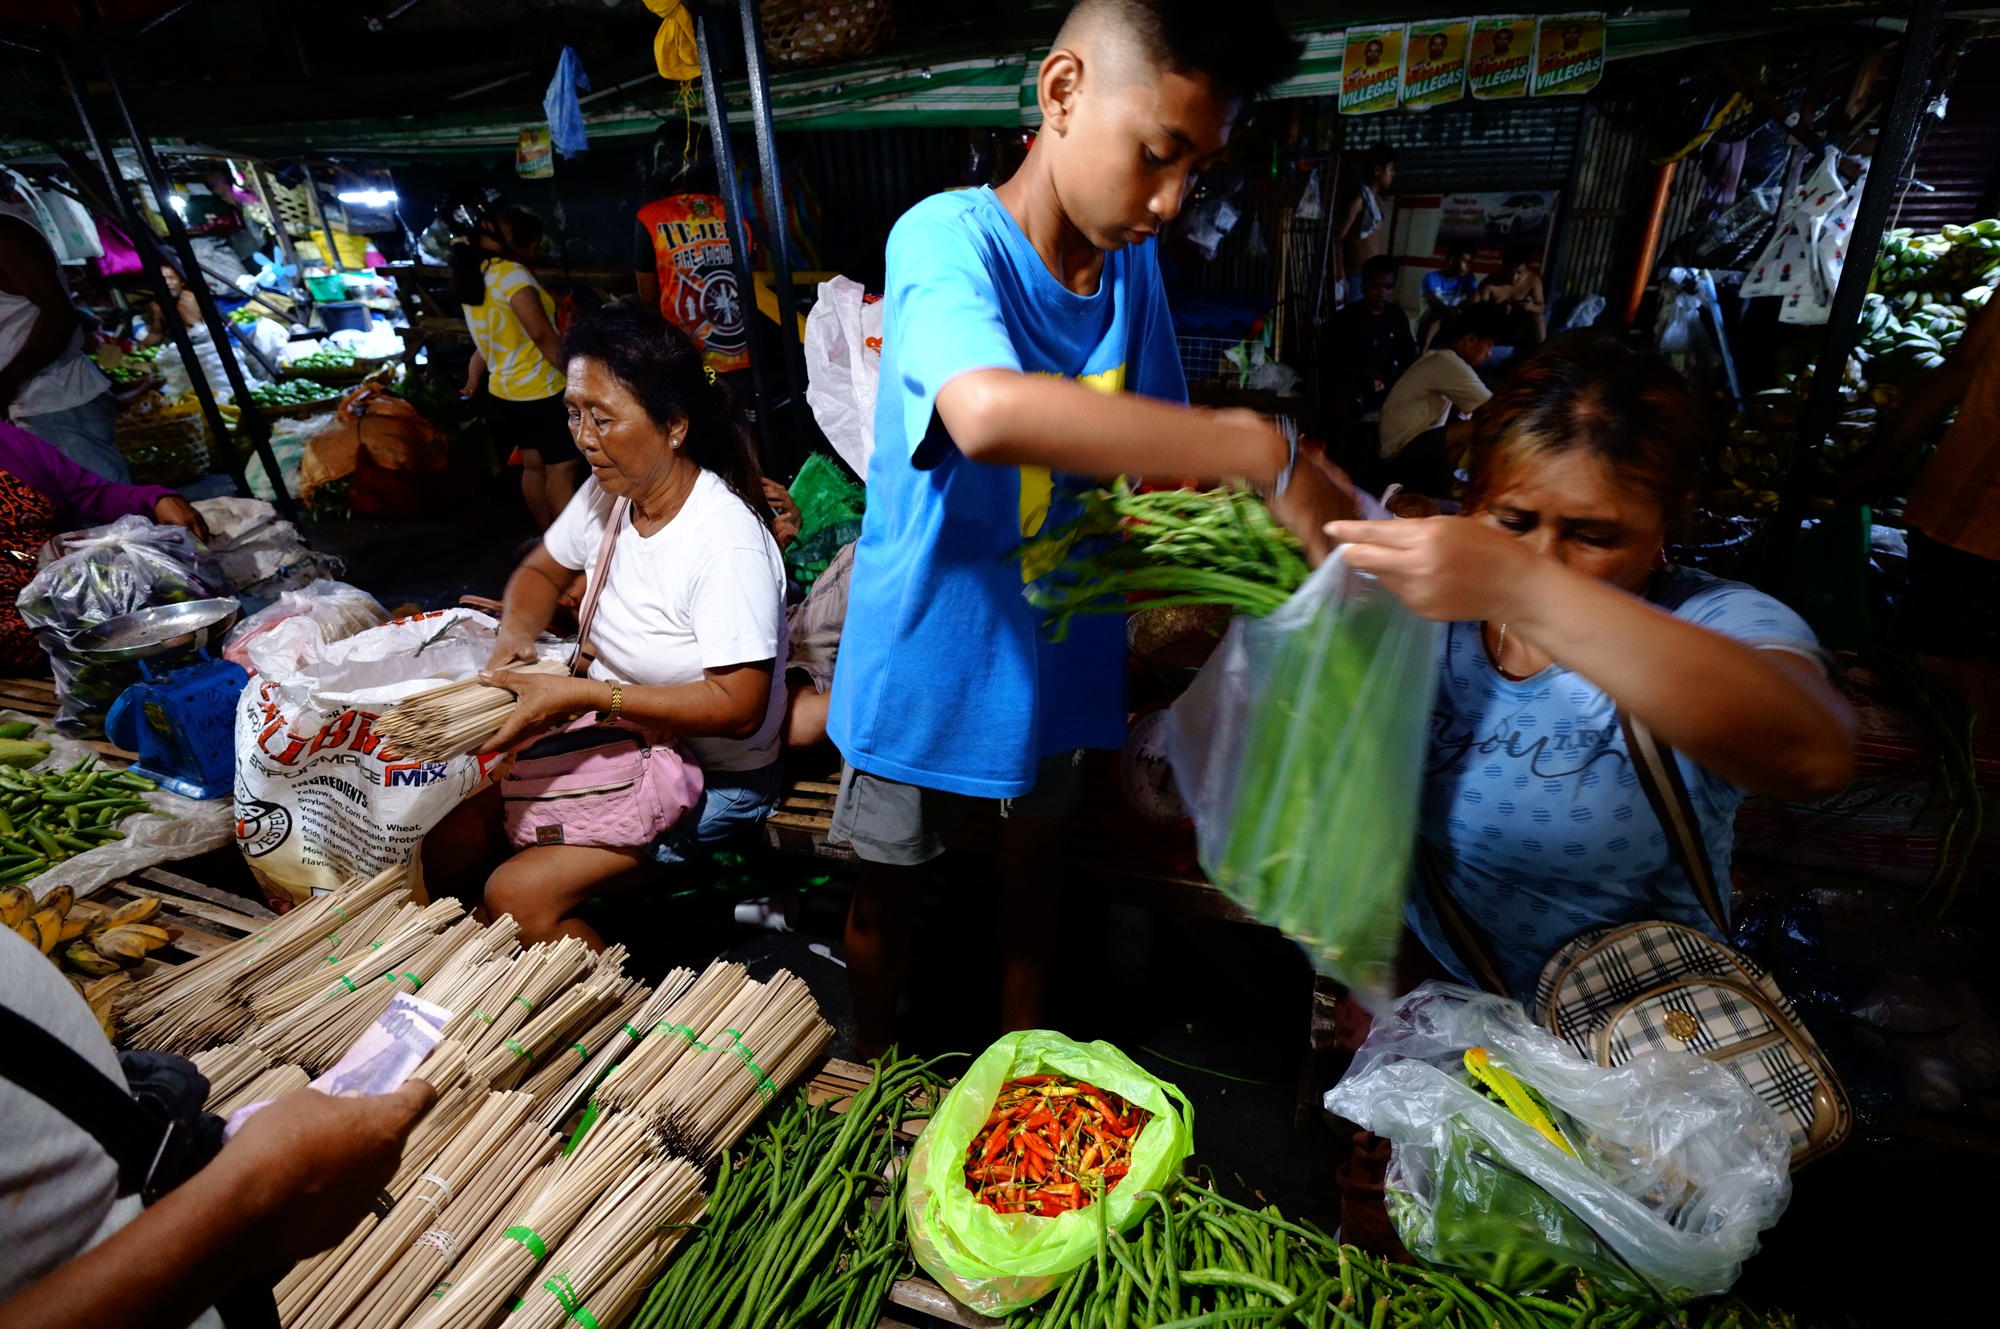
579,660
1465,936
1660,776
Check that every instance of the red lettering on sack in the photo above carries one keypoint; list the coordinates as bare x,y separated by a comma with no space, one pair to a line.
334,734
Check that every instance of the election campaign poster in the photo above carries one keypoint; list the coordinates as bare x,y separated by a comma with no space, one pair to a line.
1501,58
1434,62
1371,70
1569,54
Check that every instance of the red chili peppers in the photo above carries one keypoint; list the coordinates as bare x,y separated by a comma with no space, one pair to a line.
1051,1144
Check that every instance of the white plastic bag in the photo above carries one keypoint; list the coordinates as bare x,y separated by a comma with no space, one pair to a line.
1678,1164
319,798
844,367
287,630
1299,750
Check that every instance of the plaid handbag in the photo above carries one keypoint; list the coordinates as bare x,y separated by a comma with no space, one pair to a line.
1618,991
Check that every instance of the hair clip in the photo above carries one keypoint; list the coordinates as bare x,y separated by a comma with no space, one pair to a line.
710,371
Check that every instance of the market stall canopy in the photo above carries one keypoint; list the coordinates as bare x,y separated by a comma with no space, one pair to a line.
459,79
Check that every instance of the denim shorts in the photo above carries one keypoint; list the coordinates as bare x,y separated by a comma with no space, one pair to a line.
731,802
903,825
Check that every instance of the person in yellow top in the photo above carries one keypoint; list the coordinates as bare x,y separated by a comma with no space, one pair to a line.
1953,513
517,352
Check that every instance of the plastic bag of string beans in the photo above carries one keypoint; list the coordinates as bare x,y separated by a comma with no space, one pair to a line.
1043,1143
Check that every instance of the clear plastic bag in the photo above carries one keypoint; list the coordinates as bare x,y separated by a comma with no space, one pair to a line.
318,613
1299,752
93,575
1677,1164
997,1263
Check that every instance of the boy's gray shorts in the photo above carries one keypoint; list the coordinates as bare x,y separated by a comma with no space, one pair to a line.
902,825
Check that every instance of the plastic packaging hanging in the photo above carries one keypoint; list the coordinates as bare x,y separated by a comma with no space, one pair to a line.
98,574
1299,750
1672,1168
843,350
996,1263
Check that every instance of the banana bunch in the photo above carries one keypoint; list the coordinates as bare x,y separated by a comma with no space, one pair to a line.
1955,258
96,946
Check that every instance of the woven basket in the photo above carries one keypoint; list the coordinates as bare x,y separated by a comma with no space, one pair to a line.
162,445
814,32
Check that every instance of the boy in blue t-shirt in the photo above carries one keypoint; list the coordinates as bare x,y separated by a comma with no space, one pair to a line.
1027,352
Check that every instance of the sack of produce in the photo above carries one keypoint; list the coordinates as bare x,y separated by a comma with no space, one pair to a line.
320,797
98,574
1518,1161
1299,752
1003,1183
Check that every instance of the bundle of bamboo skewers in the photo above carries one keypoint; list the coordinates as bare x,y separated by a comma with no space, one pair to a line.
671,1075
453,719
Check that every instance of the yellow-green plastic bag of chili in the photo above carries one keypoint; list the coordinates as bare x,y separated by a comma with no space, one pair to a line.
996,1263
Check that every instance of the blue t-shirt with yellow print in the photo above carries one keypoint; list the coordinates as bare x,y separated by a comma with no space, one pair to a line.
946,679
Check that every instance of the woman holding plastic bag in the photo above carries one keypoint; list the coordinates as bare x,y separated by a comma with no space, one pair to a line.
685,602
1561,614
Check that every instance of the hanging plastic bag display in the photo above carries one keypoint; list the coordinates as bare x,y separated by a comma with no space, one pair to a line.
994,1262
1517,1161
843,349
1299,751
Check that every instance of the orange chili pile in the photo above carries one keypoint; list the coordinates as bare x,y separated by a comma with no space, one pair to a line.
1051,1144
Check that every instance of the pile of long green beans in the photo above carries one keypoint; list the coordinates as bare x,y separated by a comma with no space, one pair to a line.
1199,1259
805,1221
1179,546
48,816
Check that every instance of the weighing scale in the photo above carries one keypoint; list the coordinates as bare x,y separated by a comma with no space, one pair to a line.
181,721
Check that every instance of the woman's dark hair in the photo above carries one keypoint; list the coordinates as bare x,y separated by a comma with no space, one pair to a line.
1629,410
661,366
472,219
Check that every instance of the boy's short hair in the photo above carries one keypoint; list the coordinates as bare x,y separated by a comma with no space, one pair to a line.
1242,48
1516,256
1485,319
1378,265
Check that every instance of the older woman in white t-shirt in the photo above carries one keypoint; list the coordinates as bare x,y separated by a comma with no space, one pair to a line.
689,626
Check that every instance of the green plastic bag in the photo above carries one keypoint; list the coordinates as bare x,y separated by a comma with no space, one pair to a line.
997,1263
830,508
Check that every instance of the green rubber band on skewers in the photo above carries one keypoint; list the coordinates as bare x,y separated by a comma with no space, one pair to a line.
684,1032
636,1033
525,1002
590,1116
566,1296
580,1050
343,978
415,982
530,1238
514,1046
765,1089
482,1015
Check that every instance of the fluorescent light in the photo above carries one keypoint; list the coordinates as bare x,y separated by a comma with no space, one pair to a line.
369,198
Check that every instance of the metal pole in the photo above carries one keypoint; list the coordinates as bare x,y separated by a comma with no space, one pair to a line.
1843,325
794,359
148,246
250,417
739,231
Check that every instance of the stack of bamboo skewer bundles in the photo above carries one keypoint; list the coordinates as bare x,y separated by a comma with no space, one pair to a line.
490,1219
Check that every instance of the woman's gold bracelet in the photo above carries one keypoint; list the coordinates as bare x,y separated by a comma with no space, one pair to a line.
617,701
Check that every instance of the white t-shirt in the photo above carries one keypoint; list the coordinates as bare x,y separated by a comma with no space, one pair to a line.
1425,396
705,591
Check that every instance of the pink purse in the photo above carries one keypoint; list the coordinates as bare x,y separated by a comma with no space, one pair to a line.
607,786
